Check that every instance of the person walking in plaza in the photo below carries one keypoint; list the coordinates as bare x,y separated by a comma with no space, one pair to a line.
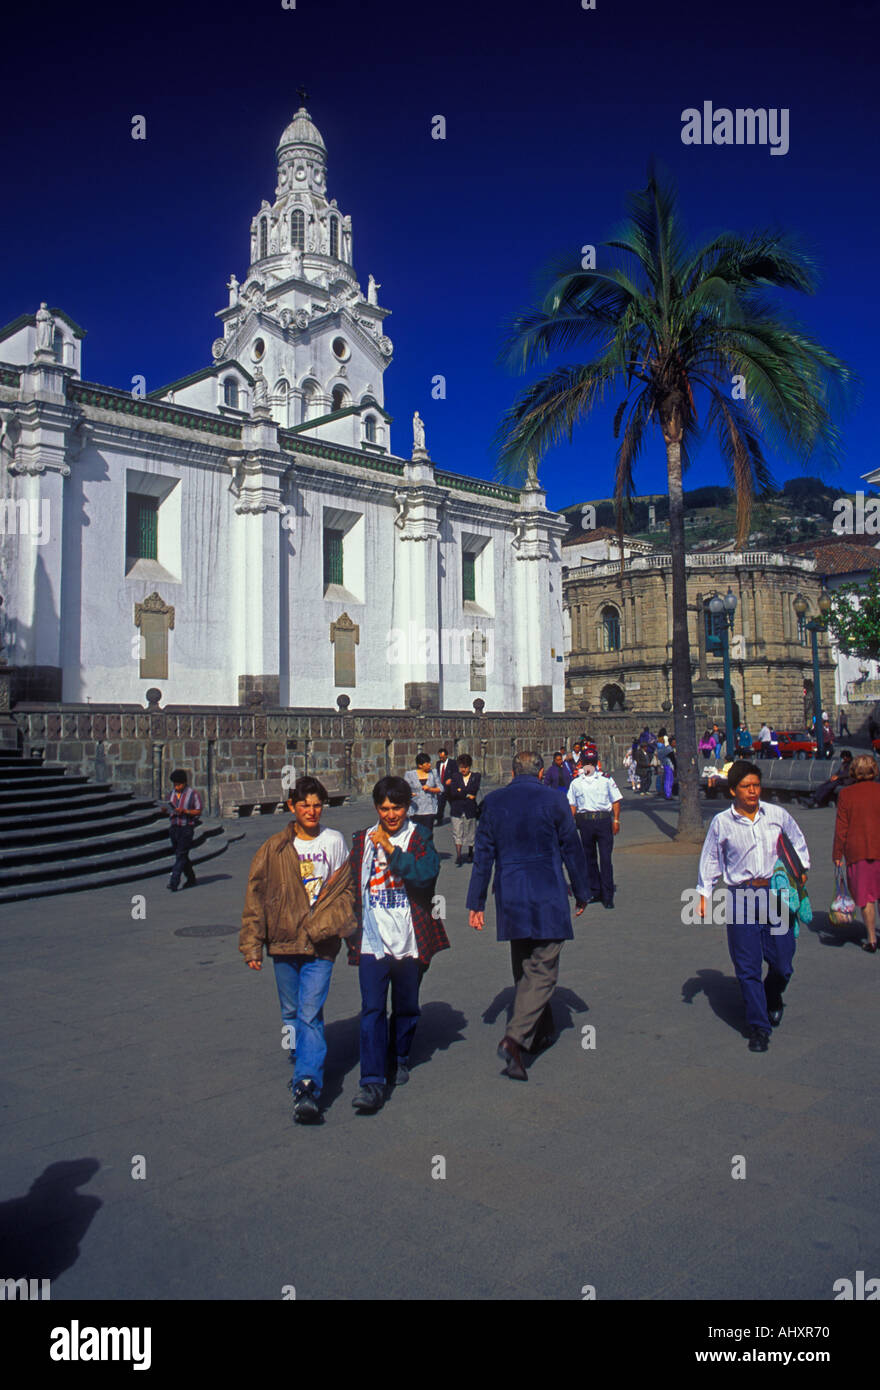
743,741
631,768
527,834
299,904
185,809
857,840
395,866
558,774
462,790
707,746
444,767
595,804
644,758
573,761
426,791
842,725
742,848
765,740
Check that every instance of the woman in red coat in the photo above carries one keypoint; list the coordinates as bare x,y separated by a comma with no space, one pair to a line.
857,840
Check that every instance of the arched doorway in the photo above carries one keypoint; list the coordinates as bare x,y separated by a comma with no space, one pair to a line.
611,698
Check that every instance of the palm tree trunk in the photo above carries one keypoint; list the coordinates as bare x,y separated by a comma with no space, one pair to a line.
690,821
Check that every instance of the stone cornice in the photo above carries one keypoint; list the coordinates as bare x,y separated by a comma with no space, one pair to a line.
123,403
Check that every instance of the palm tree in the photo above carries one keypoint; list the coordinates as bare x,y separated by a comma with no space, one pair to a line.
668,325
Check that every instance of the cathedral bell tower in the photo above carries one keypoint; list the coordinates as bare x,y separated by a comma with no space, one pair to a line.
300,320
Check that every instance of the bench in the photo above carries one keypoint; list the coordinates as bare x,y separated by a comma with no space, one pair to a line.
262,798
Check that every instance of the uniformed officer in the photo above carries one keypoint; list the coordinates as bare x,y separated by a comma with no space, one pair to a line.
595,804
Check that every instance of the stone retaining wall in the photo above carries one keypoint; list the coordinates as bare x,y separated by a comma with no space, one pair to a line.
136,749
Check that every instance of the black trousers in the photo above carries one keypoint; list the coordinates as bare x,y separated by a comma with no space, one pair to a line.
597,836
181,843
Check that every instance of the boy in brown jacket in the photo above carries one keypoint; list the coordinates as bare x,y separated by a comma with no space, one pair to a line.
299,905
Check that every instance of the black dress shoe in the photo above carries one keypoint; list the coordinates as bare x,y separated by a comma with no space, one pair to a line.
759,1039
611,904
509,1052
369,1098
775,1015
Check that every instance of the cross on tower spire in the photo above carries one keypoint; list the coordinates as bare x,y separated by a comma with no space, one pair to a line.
302,94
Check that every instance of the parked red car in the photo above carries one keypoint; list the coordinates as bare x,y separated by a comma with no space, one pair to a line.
792,742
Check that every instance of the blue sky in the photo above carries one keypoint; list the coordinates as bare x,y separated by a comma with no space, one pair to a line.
552,115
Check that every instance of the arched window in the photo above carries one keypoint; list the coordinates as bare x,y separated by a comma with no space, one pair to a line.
264,237
298,229
370,429
338,398
309,401
610,629
334,237
230,392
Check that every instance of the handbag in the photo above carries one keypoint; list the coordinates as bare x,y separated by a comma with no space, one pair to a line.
842,910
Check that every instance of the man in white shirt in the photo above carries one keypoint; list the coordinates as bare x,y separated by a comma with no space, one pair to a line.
741,848
299,904
595,804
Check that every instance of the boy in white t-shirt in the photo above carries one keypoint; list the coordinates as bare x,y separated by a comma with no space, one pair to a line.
299,904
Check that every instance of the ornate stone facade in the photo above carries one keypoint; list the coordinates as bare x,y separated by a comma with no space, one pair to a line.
620,636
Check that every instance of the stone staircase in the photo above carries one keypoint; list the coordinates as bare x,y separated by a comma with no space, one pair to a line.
61,832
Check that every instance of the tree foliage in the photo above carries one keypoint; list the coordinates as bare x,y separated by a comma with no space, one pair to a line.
854,621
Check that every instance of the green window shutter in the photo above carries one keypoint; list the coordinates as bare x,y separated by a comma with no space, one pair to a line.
142,527
333,555
469,577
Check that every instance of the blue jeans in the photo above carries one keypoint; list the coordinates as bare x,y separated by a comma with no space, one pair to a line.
750,946
303,984
404,977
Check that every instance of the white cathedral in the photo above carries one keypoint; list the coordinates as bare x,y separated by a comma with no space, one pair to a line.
247,531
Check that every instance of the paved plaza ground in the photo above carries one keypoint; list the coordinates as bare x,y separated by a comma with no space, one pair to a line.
610,1167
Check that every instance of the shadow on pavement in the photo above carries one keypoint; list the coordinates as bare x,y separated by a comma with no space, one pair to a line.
564,1004
439,1027
850,935
722,992
40,1233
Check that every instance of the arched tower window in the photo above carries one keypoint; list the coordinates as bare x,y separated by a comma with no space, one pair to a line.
334,237
370,429
298,229
610,629
264,237
230,392
338,398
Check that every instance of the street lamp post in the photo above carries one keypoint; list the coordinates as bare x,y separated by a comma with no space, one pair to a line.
814,627
725,608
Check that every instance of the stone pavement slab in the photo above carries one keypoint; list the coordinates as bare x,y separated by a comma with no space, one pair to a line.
611,1166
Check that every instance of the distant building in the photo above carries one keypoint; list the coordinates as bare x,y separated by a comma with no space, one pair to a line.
620,654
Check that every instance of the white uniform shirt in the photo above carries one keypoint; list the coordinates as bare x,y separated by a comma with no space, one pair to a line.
593,792
738,849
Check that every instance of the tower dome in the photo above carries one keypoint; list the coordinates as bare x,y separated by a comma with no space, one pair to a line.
303,136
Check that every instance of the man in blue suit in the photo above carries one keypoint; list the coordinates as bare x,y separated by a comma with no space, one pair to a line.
527,832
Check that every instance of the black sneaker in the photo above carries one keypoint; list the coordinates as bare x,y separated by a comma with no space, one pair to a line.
305,1103
759,1039
369,1098
401,1073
